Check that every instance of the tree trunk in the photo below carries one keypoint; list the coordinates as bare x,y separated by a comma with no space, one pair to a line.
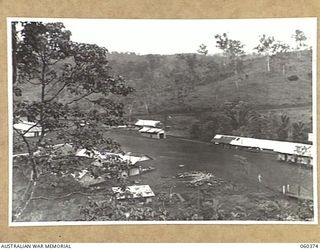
268,63
130,112
146,107
283,69
25,200
14,50
31,158
165,118
32,182
34,169
298,53
236,81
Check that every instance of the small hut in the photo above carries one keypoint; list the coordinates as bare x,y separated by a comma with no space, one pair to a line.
29,129
156,133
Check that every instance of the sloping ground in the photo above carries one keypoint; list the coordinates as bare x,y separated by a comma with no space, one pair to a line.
261,87
260,90
269,92
255,85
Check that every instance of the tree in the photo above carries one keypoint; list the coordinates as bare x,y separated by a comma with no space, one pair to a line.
150,86
238,111
265,47
298,132
233,51
283,129
300,39
183,77
130,106
143,73
279,50
203,49
225,119
14,52
55,76
258,126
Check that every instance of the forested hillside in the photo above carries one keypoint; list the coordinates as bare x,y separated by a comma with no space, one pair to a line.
201,95
191,82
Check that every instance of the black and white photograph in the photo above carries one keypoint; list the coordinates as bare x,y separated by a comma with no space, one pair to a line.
162,121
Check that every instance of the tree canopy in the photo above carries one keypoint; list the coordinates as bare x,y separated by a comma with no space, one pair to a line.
63,75
233,51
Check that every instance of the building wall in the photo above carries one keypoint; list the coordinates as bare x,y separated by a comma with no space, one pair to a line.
162,136
282,157
294,159
148,135
32,134
154,136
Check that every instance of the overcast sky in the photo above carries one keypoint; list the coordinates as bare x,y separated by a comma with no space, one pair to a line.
144,36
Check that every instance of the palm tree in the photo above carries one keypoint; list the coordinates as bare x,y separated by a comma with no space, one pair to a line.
283,128
298,133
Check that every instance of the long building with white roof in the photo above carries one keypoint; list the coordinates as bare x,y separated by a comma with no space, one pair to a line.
287,151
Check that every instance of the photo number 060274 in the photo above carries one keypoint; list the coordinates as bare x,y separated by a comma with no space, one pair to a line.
162,121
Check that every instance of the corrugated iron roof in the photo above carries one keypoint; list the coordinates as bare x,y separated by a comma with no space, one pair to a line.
147,123
223,139
144,129
96,154
151,130
27,126
136,191
277,146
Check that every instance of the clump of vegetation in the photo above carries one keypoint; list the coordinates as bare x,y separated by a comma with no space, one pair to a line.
203,202
62,74
241,119
293,78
